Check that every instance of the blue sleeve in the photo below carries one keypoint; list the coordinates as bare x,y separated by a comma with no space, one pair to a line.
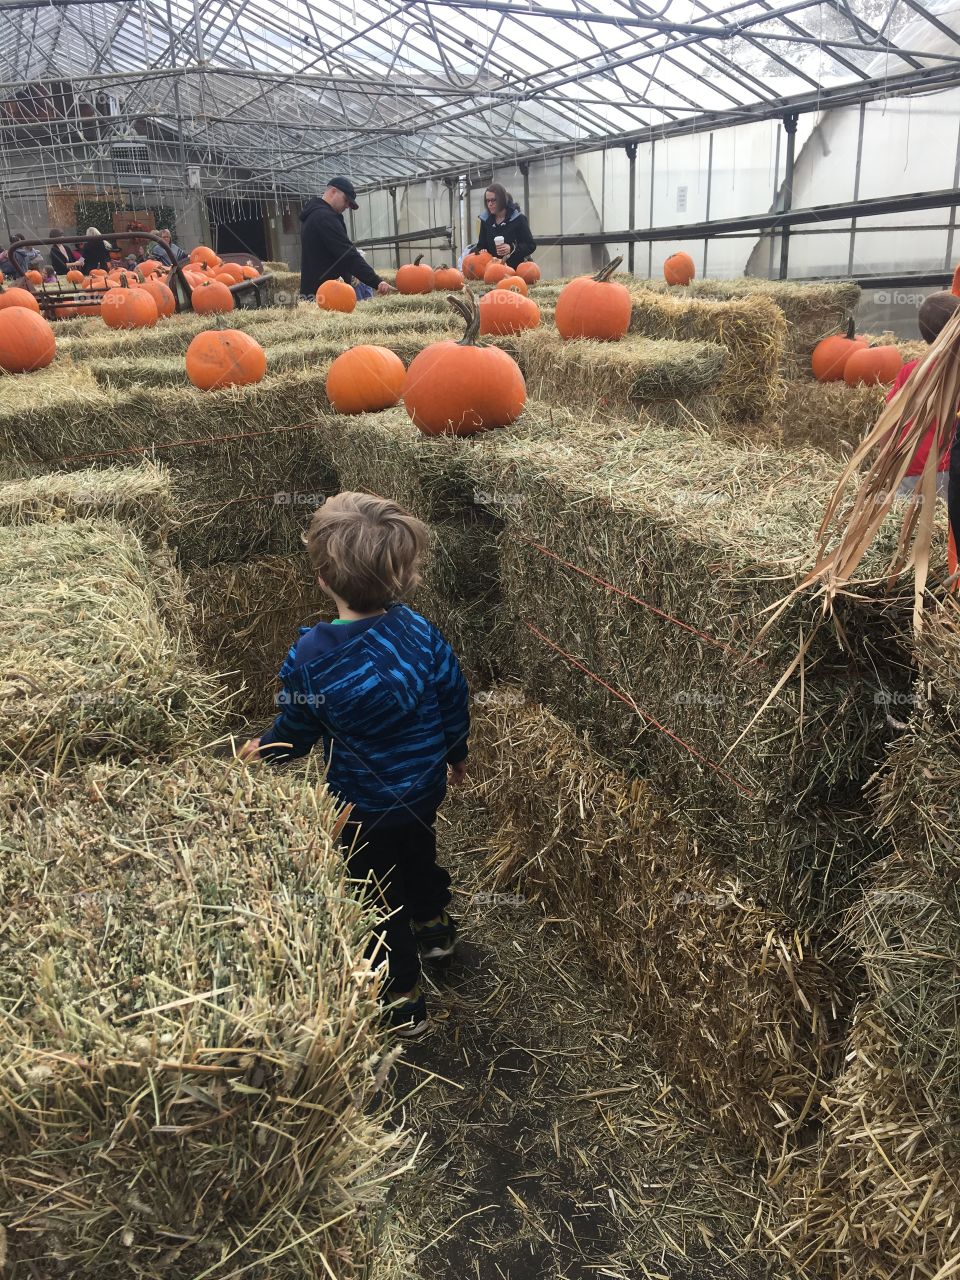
298,727
453,698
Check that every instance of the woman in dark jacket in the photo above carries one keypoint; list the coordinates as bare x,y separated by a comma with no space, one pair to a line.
64,257
501,217
96,252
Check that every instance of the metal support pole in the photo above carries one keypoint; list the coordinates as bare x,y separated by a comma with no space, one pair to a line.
632,213
948,259
790,125
467,222
856,186
448,183
706,239
396,227
525,170
776,183
653,161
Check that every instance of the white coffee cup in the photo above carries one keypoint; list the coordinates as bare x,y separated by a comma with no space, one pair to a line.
498,240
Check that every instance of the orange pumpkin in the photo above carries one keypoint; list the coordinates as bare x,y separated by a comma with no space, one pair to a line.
211,298
250,272
414,278
162,295
529,272
74,276
204,256
231,269
506,311
126,308
594,307
516,283
33,277
150,267
225,358
448,279
679,268
365,379
872,364
475,264
336,295
26,341
17,297
459,388
497,271
830,355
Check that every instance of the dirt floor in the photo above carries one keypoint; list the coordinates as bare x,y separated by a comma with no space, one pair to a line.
550,1145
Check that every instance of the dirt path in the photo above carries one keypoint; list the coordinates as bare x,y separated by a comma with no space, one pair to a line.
552,1146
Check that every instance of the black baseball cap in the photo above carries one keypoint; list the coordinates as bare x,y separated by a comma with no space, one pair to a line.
346,186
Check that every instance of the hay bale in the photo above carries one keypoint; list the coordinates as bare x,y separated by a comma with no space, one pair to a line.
90,668
737,1003
245,463
752,329
246,616
139,497
187,1031
828,415
622,376
711,537
276,266
812,311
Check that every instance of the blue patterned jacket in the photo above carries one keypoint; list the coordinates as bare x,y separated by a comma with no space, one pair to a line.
388,700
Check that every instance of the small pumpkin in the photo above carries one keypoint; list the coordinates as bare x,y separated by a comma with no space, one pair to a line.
516,283
225,358
505,311
74,276
250,272
496,272
459,388
831,354
126,308
872,364
33,277
204,256
365,379
211,298
448,279
162,295
679,268
231,269
17,297
529,272
475,264
150,267
414,278
27,341
594,306
336,295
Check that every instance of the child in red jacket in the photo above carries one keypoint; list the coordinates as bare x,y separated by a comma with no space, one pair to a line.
934,314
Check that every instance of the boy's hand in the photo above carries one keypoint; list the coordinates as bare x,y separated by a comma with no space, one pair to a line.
250,751
458,773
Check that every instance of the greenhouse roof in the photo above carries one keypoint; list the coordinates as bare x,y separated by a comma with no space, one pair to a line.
389,91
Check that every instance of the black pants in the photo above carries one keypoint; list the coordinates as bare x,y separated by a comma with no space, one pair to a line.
953,493
401,862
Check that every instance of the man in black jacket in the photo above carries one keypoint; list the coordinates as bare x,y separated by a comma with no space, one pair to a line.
326,252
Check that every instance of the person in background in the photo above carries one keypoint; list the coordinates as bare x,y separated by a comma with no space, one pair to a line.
382,690
168,251
20,261
95,251
63,257
503,220
326,251
934,314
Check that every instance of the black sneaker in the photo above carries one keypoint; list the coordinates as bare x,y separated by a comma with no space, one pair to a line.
436,940
407,1017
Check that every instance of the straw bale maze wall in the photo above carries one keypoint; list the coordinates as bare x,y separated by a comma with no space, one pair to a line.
603,567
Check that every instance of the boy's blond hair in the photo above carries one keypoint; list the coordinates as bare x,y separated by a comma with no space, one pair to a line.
366,549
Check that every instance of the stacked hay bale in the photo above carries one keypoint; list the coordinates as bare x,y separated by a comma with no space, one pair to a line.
737,1005
879,1196
186,1030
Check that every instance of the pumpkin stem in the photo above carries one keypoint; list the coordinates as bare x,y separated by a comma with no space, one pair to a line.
851,329
466,305
606,272
418,259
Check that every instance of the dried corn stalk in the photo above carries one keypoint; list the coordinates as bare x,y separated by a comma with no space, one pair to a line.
932,394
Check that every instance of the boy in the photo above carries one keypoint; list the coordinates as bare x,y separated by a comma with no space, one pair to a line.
384,692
